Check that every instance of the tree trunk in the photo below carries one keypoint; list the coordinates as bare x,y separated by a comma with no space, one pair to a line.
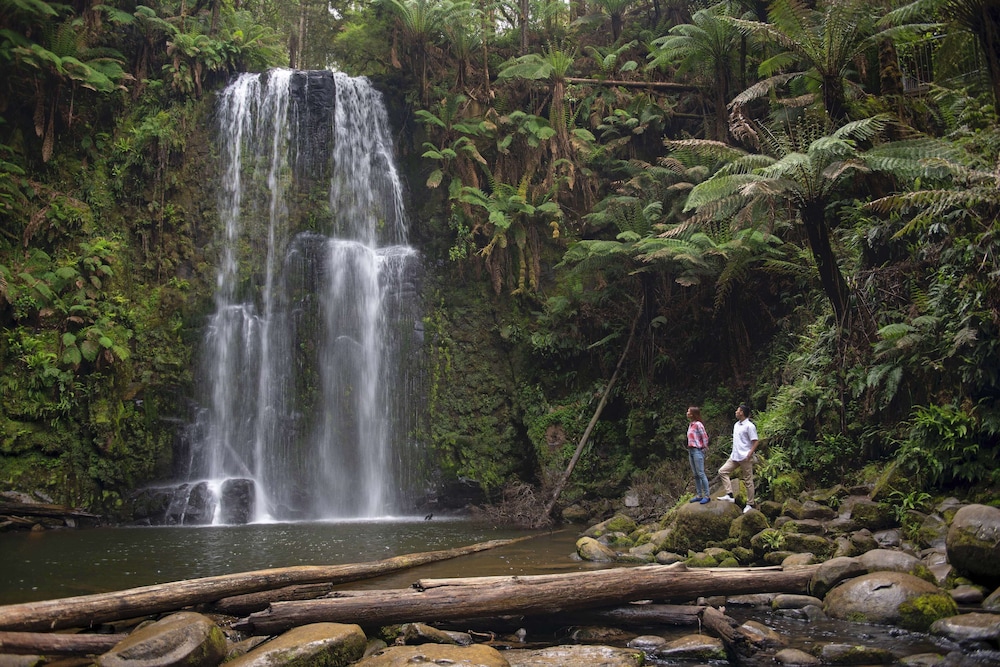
89,610
830,277
439,600
655,85
523,6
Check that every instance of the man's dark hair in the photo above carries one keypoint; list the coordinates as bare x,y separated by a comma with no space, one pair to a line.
746,410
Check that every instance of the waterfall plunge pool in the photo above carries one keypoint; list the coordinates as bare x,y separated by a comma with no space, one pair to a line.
63,563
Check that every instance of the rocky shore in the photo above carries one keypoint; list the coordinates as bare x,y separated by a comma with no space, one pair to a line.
934,576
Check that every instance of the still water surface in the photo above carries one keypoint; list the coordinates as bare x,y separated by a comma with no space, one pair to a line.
62,563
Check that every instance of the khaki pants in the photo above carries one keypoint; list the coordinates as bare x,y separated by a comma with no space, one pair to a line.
746,470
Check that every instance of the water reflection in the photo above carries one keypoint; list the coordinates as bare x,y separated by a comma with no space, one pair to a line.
62,563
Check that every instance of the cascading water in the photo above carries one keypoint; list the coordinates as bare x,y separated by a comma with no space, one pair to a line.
305,370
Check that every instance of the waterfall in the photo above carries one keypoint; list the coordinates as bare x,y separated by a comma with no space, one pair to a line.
305,372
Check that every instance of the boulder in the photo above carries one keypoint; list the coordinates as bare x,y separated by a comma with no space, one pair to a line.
854,654
889,598
237,501
992,601
793,657
794,601
591,550
184,639
565,656
871,515
619,523
887,560
834,571
693,647
969,627
974,543
814,544
327,644
477,655
696,525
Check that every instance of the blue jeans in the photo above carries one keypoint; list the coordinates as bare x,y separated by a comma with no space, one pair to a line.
697,458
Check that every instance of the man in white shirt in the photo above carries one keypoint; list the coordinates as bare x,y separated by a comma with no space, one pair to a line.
744,445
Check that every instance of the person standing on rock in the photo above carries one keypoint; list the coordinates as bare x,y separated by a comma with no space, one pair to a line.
744,445
697,449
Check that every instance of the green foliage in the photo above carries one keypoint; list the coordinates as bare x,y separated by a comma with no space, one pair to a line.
944,447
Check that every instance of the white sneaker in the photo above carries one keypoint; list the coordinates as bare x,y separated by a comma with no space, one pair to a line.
728,498
747,508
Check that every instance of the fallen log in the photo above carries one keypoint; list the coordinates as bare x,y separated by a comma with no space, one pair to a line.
50,643
743,648
89,610
435,600
629,615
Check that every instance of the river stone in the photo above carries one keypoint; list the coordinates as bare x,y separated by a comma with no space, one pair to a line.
648,644
793,657
421,633
762,635
992,601
863,540
185,639
810,509
571,656
798,561
745,526
237,501
974,543
327,644
591,550
923,660
477,655
601,634
889,598
693,647
887,560
969,627
966,594
794,601
843,548
834,571
813,544
853,654
619,523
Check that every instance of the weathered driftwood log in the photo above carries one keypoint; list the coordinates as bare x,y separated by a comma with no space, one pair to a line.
743,648
50,643
89,610
629,615
431,600
45,510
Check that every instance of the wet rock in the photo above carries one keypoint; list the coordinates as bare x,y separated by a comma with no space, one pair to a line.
575,514
834,571
992,601
889,539
763,635
966,594
746,526
185,638
969,627
648,644
237,501
794,601
693,647
668,558
793,657
843,548
886,560
923,660
477,655
853,654
974,543
889,598
328,644
421,633
590,549
644,553
570,656
601,634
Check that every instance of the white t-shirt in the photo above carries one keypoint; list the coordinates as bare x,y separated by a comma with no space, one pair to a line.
744,433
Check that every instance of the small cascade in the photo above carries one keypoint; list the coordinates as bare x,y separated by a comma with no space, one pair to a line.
307,387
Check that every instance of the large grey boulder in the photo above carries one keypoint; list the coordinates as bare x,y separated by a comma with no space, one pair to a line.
834,571
889,598
184,639
327,644
969,627
888,560
974,543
